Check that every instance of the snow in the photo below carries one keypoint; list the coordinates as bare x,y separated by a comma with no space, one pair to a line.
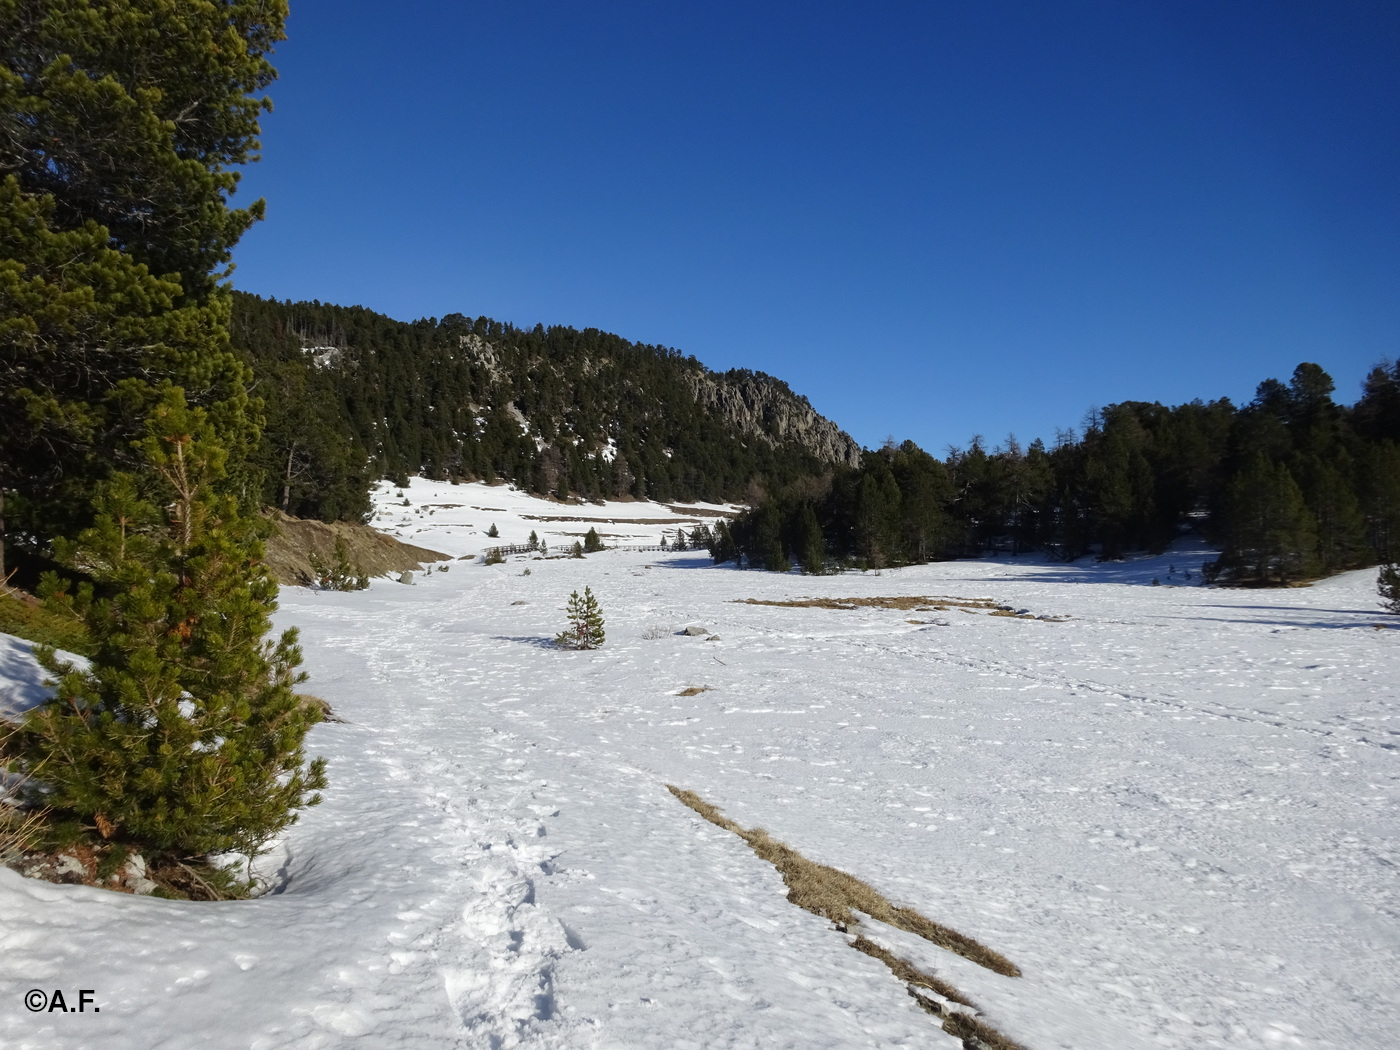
1174,809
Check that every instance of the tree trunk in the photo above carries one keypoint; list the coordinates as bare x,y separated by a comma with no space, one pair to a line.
287,479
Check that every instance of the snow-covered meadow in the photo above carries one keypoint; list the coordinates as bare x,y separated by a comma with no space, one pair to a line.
1174,807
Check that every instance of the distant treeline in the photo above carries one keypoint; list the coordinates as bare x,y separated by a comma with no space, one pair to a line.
1290,486
350,396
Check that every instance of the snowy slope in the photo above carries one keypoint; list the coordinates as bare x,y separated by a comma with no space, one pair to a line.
1174,809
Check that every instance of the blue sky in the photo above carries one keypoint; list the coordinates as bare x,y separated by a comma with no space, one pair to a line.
933,219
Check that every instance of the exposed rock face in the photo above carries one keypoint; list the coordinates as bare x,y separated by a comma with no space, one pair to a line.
764,407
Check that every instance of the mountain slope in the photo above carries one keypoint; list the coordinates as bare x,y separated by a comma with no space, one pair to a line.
352,395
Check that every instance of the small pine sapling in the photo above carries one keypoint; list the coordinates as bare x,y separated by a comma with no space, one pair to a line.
534,543
576,551
592,543
493,532
585,630
1388,587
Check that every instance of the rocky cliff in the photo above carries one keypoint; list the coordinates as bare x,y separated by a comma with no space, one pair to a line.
761,406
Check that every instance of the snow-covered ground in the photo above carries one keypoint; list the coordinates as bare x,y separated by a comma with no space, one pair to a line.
1175,809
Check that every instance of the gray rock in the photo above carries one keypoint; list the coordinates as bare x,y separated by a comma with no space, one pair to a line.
406,577
67,864
766,409
712,638
135,872
695,632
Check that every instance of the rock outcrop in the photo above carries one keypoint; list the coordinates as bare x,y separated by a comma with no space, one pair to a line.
761,406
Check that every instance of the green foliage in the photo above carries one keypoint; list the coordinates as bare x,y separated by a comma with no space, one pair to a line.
444,397
1388,586
494,557
126,425
25,618
120,122
591,541
337,574
576,551
185,735
1290,486
493,532
585,630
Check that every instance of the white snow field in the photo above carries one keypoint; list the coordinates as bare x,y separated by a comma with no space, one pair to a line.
1175,809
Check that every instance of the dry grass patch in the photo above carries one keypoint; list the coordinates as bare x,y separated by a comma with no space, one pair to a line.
912,975
838,896
694,690
974,1033
906,602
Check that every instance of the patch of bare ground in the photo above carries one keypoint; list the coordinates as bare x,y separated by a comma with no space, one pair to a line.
585,519
838,896
906,603
693,690
295,541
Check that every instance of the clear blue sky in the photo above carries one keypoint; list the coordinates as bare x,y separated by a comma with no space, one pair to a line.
933,219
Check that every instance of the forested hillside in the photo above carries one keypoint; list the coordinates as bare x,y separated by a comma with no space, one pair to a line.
1291,485
351,396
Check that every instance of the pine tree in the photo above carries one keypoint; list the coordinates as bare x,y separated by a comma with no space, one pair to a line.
1269,533
585,630
1388,586
811,547
185,734
592,543
120,125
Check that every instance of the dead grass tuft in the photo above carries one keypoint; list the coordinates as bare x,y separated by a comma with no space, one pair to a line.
836,895
320,707
20,831
974,1033
909,973
706,810
694,690
906,603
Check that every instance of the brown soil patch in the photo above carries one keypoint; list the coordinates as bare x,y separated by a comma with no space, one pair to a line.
694,690
290,547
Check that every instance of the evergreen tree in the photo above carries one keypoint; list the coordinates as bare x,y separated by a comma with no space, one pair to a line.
585,630
121,122
1270,536
722,548
1388,586
811,547
591,541
125,426
185,734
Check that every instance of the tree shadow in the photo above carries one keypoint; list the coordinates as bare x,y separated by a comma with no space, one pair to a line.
22,680
538,641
